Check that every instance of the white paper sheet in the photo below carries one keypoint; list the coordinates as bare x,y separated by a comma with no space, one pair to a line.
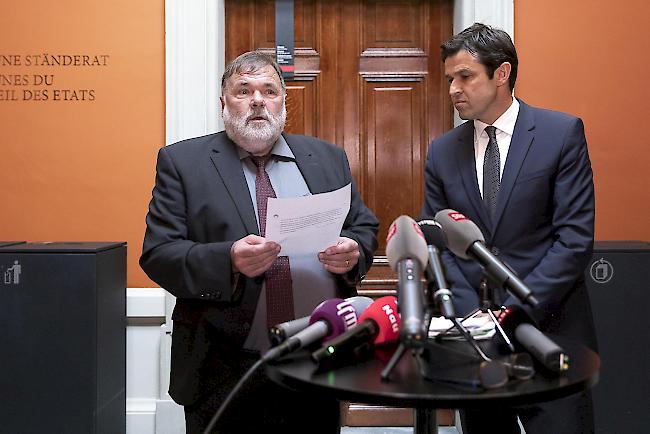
480,327
307,224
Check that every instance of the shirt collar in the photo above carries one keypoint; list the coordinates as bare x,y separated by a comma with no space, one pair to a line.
505,123
280,149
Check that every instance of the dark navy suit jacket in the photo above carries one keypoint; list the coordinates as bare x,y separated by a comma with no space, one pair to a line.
200,206
544,223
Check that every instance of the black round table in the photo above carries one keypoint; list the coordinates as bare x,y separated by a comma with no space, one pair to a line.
407,387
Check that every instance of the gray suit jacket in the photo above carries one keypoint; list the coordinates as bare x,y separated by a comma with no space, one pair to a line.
200,206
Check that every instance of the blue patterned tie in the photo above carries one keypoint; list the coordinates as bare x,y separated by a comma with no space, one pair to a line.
279,292
491,173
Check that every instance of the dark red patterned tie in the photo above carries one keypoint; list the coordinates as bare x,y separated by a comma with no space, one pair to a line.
279,294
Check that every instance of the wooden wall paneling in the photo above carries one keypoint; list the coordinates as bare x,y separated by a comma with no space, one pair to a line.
348,85
301,108
328,24
393,24
440,112
394,132
305,17
393,64
238,28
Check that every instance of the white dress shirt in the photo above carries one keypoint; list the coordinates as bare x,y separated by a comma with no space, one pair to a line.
505,126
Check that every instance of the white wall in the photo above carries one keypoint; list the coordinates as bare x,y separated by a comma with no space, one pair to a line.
145,310
194,52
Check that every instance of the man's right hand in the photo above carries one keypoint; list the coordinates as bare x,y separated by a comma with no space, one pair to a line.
253,255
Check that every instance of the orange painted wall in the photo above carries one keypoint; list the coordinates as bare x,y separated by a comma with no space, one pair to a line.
589,58
82,170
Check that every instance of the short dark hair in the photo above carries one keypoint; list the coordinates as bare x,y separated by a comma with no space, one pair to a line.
250,61
490,46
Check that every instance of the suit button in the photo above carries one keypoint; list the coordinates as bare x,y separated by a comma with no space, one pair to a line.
218,295
246,326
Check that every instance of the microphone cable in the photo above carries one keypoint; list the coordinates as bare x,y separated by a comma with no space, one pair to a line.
232,394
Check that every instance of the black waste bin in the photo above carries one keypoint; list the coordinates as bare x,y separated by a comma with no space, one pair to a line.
618,280
63,338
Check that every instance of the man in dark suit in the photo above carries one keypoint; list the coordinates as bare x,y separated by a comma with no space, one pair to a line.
204,243
523,175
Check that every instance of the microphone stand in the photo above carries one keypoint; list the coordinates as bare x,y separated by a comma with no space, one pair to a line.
402,347
399,352
428,313
486,307
492,373
397,355
411,273
424,418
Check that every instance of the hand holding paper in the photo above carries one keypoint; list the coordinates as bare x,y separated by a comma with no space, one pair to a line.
308,224
253,255
342,257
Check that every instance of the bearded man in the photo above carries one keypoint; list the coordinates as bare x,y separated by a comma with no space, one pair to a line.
205,244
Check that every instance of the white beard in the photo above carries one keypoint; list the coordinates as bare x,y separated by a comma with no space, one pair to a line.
255,137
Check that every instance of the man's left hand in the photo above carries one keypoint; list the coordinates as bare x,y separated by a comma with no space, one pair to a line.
342,257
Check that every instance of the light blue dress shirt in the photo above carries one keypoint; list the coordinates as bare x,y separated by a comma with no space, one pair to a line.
311,282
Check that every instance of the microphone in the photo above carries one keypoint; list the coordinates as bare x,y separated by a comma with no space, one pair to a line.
406,251
465,240
378,324
516,322
281,332
434,272
329,319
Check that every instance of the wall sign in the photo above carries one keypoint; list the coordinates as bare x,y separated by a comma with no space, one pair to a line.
284,37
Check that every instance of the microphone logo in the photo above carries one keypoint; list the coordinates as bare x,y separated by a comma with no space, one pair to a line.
456,216
347,313
417,229
391,317
391,231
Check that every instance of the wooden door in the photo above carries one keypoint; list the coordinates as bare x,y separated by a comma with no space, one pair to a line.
369,79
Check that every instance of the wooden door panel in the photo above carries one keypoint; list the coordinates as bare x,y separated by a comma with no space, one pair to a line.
394,24
301,107
381,64
393,64
393,123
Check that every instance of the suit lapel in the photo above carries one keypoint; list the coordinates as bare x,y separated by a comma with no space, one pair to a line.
226,160
522,138
467,166
311,170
